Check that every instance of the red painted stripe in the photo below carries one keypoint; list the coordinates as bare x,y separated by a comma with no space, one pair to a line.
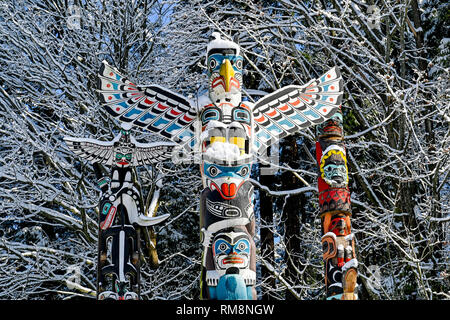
218,83
260,119
271,114
174,113
161,106
284,108
234,83
244,106
109,219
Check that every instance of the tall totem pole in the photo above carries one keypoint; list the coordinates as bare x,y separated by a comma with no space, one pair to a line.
338,244
229,134
121,209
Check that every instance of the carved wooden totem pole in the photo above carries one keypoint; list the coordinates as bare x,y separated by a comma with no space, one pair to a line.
121,209
229,134
335,209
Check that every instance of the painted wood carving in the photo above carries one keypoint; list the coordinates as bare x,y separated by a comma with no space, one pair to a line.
229,134
121,209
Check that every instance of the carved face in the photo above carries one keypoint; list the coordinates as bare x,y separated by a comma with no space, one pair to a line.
225,179
226,114
226,160
338,226
123,149
331,127
123,156
333,167
226,125
224,71
231,249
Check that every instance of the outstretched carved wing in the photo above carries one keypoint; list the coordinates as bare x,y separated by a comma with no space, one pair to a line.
91,149
151,153
103,152
151,107
294,108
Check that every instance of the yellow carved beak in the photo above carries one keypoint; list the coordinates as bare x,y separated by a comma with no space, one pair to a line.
227,72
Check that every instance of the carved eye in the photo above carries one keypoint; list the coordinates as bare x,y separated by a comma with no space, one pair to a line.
238,64
213,171
241,115
210,114
212,64
242,246
119,156
243,172
222,247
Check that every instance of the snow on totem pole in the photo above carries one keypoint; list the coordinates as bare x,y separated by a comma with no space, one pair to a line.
229,135
121,209
227,221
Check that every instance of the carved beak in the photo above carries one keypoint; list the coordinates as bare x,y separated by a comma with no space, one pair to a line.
227,72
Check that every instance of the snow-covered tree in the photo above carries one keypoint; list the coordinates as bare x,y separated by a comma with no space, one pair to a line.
50,55
394,59
396,126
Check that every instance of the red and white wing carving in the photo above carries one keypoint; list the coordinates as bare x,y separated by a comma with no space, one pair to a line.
151,107
294,108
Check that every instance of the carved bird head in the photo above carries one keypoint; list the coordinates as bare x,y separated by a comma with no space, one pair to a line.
224,64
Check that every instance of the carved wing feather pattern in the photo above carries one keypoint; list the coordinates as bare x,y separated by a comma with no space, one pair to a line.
152,153
293,108
91,149
151,107
103,152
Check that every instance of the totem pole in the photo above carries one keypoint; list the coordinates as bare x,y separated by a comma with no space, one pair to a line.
121,209
227,222
229,134
335,210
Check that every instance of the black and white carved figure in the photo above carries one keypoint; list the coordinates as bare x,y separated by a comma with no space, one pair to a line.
121,208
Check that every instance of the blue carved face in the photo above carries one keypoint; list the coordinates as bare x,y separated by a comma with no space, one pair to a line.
225,77
225,179
231,249
333,167
216,60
